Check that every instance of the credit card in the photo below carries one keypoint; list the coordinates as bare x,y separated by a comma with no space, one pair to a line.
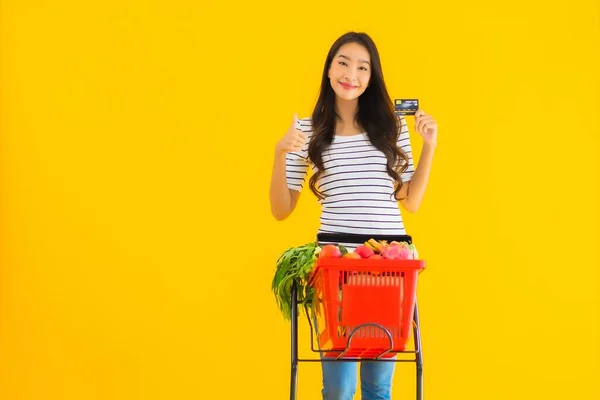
406,106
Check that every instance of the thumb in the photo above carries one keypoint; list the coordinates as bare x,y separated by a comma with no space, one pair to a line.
295,120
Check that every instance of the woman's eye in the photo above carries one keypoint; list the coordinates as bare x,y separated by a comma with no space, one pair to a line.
342,63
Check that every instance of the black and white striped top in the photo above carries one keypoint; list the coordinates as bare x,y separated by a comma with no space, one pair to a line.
358,191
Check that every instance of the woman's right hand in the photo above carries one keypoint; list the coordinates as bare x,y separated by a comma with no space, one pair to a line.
293,140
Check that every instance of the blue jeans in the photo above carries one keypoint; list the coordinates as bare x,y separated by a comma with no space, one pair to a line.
340,379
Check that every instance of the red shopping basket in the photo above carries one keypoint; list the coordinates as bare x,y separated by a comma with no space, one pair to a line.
367,305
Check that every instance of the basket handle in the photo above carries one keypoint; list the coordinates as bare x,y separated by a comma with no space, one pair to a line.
387,332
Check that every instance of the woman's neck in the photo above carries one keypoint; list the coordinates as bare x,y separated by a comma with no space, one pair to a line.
347,109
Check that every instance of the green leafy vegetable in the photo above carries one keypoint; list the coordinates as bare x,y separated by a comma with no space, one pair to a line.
295,266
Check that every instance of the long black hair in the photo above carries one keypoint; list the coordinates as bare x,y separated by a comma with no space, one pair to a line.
375,114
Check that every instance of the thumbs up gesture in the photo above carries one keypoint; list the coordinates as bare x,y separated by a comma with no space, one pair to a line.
293,140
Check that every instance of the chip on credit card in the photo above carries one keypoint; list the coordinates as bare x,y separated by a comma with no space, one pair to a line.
406,106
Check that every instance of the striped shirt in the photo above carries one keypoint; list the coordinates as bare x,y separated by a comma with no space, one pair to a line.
357,188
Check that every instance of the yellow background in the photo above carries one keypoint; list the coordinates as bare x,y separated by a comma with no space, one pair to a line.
137,243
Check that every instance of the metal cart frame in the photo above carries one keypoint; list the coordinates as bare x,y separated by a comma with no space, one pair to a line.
418,359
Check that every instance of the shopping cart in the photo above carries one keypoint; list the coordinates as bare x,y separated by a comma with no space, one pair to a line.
367,308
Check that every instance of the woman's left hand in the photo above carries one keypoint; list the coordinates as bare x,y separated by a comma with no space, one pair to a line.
427,127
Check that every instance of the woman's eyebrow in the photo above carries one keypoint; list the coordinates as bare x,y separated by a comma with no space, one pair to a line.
348,58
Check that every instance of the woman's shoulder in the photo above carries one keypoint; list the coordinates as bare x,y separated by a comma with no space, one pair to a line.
401,120
305,124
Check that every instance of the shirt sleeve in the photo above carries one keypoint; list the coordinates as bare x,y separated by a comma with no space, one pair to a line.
404,144
296,163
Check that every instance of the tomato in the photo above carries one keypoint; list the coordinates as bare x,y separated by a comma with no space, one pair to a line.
364,251
330,251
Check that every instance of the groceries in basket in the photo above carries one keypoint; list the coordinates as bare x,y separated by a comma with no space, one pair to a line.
376,249
296,265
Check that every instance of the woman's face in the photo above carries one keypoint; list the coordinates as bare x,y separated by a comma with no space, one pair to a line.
350,71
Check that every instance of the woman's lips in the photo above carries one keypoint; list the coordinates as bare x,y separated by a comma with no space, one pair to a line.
347,86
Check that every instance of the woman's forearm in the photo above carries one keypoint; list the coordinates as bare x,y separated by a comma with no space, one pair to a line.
279,193
418,183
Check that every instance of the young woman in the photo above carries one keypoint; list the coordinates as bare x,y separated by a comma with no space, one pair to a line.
361,157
